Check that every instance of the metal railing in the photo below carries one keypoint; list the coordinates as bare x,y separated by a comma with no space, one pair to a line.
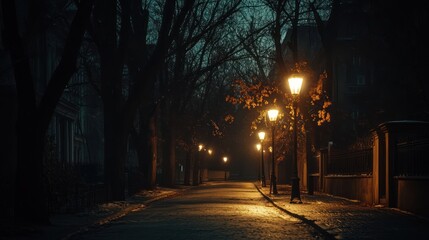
76,198
412,158
358,162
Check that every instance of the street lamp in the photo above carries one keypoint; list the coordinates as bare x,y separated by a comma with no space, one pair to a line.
203,164
258,147
195,179
225,160
261,136
295,83
272,115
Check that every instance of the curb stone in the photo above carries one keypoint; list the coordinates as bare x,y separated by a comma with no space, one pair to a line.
133,207
325,233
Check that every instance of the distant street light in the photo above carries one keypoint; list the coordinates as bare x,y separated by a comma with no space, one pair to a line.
261,136
272,115
295,84
258,147
225,160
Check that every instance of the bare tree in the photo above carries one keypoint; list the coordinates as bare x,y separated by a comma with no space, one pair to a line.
205,43
33,115
112,38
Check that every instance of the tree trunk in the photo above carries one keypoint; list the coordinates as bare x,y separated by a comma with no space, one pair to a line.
151,177
32,123
111,64
30,202
114,155
188,168
327,36
30,205
196,169
169,162
147,149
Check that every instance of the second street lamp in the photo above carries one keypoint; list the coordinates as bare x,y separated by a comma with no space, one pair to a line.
258,147
295,87
225,160
261,136
272,115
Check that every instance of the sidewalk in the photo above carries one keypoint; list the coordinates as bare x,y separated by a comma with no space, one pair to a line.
67,226
333,217
340,218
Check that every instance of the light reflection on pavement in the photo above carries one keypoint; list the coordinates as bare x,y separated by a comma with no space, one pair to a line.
222,210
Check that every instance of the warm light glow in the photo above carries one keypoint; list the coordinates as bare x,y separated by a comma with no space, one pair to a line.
261,135
210,151
225,159
258,146
295,85
200,147
272,114
271,149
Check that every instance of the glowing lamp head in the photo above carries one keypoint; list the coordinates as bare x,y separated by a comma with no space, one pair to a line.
258,146
200,147
272,114
210,151
261,136
295,84
225,159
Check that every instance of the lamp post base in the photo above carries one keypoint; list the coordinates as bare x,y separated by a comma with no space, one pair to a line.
263,182
295,196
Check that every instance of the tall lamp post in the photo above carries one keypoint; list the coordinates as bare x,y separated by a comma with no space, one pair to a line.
295,87
196,169
258,147
225,160
272,115
261,136
204,164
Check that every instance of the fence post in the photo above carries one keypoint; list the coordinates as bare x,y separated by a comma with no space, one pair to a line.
323,163
388,131
321,173
375,167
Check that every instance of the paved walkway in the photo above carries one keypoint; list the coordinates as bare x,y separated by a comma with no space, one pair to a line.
339,218
65,226
219,210
332,217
